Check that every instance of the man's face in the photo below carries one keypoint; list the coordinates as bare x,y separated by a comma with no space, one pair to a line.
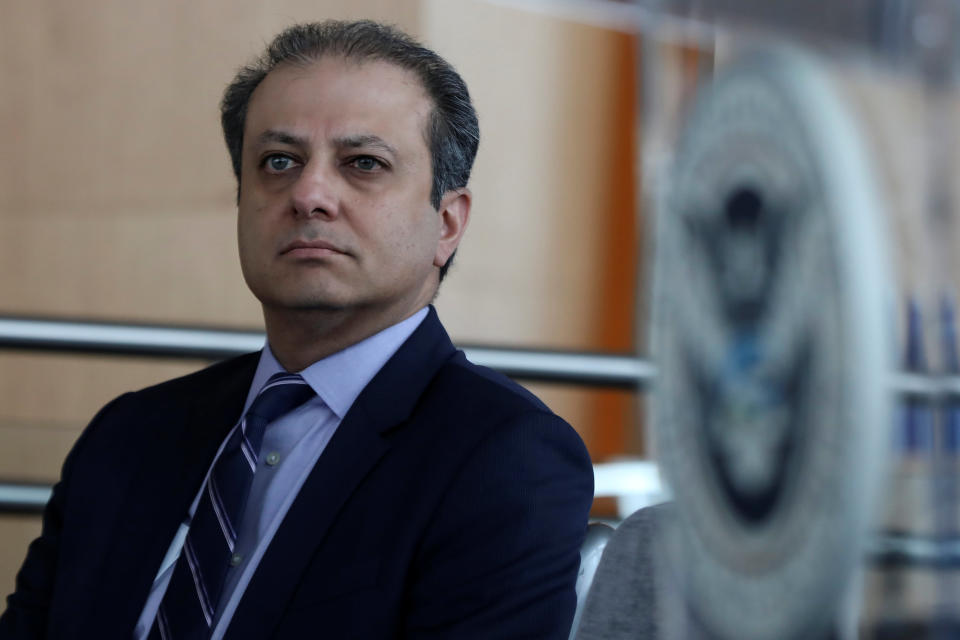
334,210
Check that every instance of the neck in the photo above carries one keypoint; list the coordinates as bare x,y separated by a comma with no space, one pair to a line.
298,338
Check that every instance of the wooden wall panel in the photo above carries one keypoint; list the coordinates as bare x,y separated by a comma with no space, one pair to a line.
110,115
550,256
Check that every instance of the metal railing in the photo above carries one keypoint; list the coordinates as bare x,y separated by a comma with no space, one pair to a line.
624,371
77,336
23,498
611,370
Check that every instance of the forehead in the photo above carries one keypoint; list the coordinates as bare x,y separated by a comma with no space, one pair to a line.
334,97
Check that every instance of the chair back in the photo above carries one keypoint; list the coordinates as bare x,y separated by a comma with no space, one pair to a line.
598,534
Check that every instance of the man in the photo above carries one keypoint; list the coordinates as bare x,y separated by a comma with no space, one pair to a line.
358,478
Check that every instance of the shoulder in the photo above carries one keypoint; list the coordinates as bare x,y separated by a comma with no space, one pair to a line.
646,521
228,378
632,543
234,372
477,405
462,381
496,422
153,409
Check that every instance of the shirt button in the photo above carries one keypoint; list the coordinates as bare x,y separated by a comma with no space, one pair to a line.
273,458
235,559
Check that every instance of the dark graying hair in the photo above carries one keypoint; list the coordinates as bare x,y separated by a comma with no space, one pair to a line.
452,131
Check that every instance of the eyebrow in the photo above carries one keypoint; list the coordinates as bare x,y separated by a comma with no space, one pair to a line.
351,141
365,141
273,135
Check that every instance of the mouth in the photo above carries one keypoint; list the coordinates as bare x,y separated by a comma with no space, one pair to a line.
311,249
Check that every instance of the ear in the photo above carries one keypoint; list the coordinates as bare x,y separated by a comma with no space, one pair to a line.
454,214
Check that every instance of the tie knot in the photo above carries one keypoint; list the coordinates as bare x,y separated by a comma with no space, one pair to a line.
282,393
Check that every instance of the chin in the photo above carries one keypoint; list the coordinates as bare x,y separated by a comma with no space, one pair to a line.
302,301
313,303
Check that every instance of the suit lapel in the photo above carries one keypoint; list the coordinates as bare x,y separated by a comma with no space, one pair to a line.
359,442
159,497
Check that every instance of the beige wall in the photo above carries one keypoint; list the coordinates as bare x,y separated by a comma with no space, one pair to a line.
116,197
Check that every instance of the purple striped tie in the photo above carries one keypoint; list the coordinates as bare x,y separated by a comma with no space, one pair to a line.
188,607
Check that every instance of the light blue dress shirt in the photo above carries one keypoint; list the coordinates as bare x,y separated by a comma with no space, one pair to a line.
292,444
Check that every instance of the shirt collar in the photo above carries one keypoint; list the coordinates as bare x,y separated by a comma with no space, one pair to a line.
340,377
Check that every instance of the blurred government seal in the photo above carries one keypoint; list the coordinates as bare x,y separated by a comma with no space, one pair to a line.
771,338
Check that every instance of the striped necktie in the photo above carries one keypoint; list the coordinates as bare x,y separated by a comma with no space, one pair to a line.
190,602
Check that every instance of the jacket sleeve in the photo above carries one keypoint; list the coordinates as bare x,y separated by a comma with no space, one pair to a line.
28,607
503,551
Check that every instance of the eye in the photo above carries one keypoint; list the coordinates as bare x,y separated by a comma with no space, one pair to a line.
277,163
366,163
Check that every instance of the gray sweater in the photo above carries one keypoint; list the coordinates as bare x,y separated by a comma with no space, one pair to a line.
622,600
633,595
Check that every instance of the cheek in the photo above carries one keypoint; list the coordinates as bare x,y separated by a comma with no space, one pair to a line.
417,244
250,235
251,215
243,230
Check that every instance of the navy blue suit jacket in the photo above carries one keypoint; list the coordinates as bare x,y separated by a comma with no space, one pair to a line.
450,503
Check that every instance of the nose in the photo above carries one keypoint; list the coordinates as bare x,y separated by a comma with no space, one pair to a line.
314,192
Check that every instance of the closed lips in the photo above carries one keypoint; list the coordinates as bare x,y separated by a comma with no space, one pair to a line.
311,246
